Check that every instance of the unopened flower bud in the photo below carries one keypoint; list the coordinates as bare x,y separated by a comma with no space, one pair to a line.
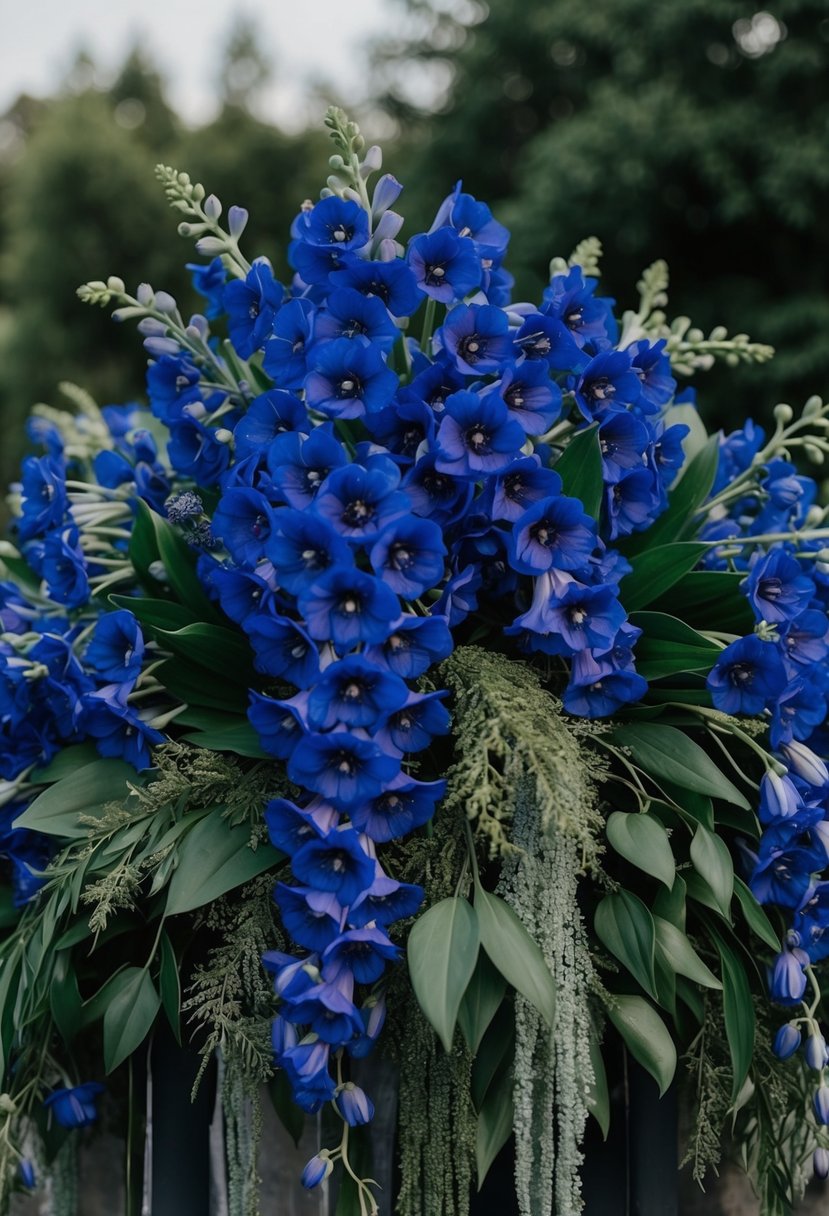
354,1105
783,413
822,1105
116,284
816,1051
212,207
805,763
237,219
786,1041
317,1170
210,246
164,302
820,1161
144,294
813,407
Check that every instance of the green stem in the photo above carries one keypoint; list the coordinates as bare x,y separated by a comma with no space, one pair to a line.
428,323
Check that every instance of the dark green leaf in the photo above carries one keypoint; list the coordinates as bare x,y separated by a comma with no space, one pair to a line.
170,985
710,600
9,914
598,1099
442,952
643,841
668,646
697,807
240,738
481,1001
211,647
214,858
656,570
580,469
688,495
514,953
129,1016
711,859
198,687
495,1052
65,998
681,956
154,539
494,1123
665,752
738,1009
57,811
625,926
167,614
646,1037
67,761
699,890
755,915
290,1115
670,905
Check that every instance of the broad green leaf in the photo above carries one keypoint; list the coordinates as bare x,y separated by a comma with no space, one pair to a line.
645,1036
96,1006
697,807
580,469
129,1016
514,953
738,1009
240,738
656,570
670,905
442,952
494,1123
710,599
210,646
198,687
598,1098
481,1001
167,614
214,858
643,841
154,539
668,646
57,811
699,890
665,752
711,859
169,985
755,915
290,1115
681,955
688,495
65,998
625,926
67,761
495,1052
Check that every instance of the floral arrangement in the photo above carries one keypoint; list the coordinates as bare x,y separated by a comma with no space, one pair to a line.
407,619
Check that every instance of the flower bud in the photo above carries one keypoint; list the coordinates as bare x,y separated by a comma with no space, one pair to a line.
317,1170
354,1105
210,246
164,302
820,1162
151,327
386,193
144,295
788,980
783,413
806,764
779,798
822,1105
223,435
816,1051
237,219
27,1173
212,207
813,407
372,161
116,284
388,226
786,1041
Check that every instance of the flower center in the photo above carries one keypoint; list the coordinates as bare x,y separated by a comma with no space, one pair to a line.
357,512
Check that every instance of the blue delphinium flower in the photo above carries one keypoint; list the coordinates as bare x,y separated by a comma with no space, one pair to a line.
476,436
251,304
348,379
116,649
446,266
747,676
75,1106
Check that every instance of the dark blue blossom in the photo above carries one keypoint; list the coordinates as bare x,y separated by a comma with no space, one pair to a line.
570,298
477,338
777,588
358,501
529,394
116,649
653,367
118,729
350,314
412,727
172,383
348,379
362,952
413,645
437,495
607,382
354,1105
244,521
334,221
409,556
44,499
554,533
282,648
209,281
747,676
354,692
445,266
348,606
279,724
338,862
198,451
391,282
251,305
549,341
476,436
273,413
64,567
302,546
632,502
299,464
311,917
76,1106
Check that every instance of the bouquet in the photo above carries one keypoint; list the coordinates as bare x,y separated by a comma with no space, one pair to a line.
408,621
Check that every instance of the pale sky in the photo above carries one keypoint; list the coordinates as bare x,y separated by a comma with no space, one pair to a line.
307,40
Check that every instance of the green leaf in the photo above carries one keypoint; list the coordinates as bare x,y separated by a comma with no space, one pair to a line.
167,614
755,915
668,646
238,737
65,763
495,1052
514,953
170,985
699,890
656,570
643,841
697,807
625,926
580,469
289,1114
665,752
738,1010
57,811
711,859
9,914
494,1123
645,1036
670,905
481,1001
208,645
681,956
154,539
710,599
65,998
129,1016
214,858
442,952
198,687
598,1098
689,493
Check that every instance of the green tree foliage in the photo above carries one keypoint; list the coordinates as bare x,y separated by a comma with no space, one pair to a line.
693,132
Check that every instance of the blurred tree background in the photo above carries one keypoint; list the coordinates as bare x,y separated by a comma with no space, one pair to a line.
694,132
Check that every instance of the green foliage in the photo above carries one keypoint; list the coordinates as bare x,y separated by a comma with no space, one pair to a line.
580,469
442,952
645,1036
